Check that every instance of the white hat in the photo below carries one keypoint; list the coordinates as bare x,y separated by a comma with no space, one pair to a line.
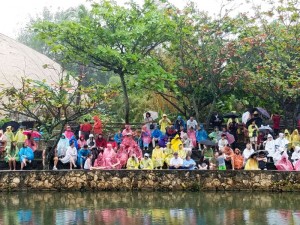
146,155
269,136
91,135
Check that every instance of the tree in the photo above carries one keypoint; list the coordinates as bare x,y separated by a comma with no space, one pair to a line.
205,57
52,106
115,38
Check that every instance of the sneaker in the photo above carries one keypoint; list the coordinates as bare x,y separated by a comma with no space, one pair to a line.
54,168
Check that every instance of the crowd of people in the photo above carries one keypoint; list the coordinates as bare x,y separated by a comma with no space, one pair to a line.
161,144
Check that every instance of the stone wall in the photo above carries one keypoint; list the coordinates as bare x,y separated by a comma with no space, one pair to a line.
162,180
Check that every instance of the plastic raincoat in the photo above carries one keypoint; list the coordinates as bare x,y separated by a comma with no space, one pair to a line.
62,146
158,157
295,138
97,125
175,143
146,164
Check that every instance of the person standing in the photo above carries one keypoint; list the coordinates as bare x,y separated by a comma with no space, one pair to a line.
164,123
149,121
276,123
97,129
192,123
86,129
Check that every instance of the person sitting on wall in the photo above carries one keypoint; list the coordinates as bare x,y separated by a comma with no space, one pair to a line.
12,155
71,156
26,155
132,163
146,163
176,162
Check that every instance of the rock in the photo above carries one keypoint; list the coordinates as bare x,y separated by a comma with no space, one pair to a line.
16,180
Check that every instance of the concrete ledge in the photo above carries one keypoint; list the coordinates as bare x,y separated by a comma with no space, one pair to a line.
153,180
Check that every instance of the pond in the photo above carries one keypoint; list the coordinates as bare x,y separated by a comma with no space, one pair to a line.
149,208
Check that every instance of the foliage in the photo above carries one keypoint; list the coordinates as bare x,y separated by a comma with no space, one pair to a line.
52,106
115,38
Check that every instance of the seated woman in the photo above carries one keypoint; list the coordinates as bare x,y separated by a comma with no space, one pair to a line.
189,163
252,163
132,163
25,155
71,156
12,155
158,157
30,142
62,146
187,143
82,155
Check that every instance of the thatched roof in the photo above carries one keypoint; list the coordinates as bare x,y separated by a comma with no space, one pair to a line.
17,60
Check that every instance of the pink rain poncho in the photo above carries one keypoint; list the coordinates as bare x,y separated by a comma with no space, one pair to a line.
284,163
107,159
146,135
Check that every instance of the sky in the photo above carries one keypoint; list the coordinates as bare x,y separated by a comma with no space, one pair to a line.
15,13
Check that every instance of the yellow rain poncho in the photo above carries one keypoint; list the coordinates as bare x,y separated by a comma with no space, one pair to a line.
175,143
146,164
168,153
158,157
9,135
181,152
295,138
287,136
132,163
251,164
20,138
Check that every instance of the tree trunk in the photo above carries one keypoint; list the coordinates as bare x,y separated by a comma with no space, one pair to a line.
212,107
80,76
196,108
126,98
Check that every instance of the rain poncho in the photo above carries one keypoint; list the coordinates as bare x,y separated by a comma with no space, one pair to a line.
11,153
62,146
107,159
20,137
251,164
97,125
295,138
270,145
281,142
26,153
158,157
146,164
81,156
192,136
132,163
296,158
284,164
179,123
168,152
201,134
156,133
71,152
176,142
146,136
9,135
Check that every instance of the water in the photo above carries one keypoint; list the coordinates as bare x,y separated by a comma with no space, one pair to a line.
176,208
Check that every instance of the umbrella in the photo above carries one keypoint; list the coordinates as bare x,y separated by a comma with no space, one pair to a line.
265,128
249,122
33,133
230,138
245,117
208,143
263,112
253,154
231,115
15,125
154,114
265,152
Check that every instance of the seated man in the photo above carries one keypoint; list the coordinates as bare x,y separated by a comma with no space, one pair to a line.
176,162
26,155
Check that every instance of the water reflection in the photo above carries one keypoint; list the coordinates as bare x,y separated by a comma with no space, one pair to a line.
109,208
